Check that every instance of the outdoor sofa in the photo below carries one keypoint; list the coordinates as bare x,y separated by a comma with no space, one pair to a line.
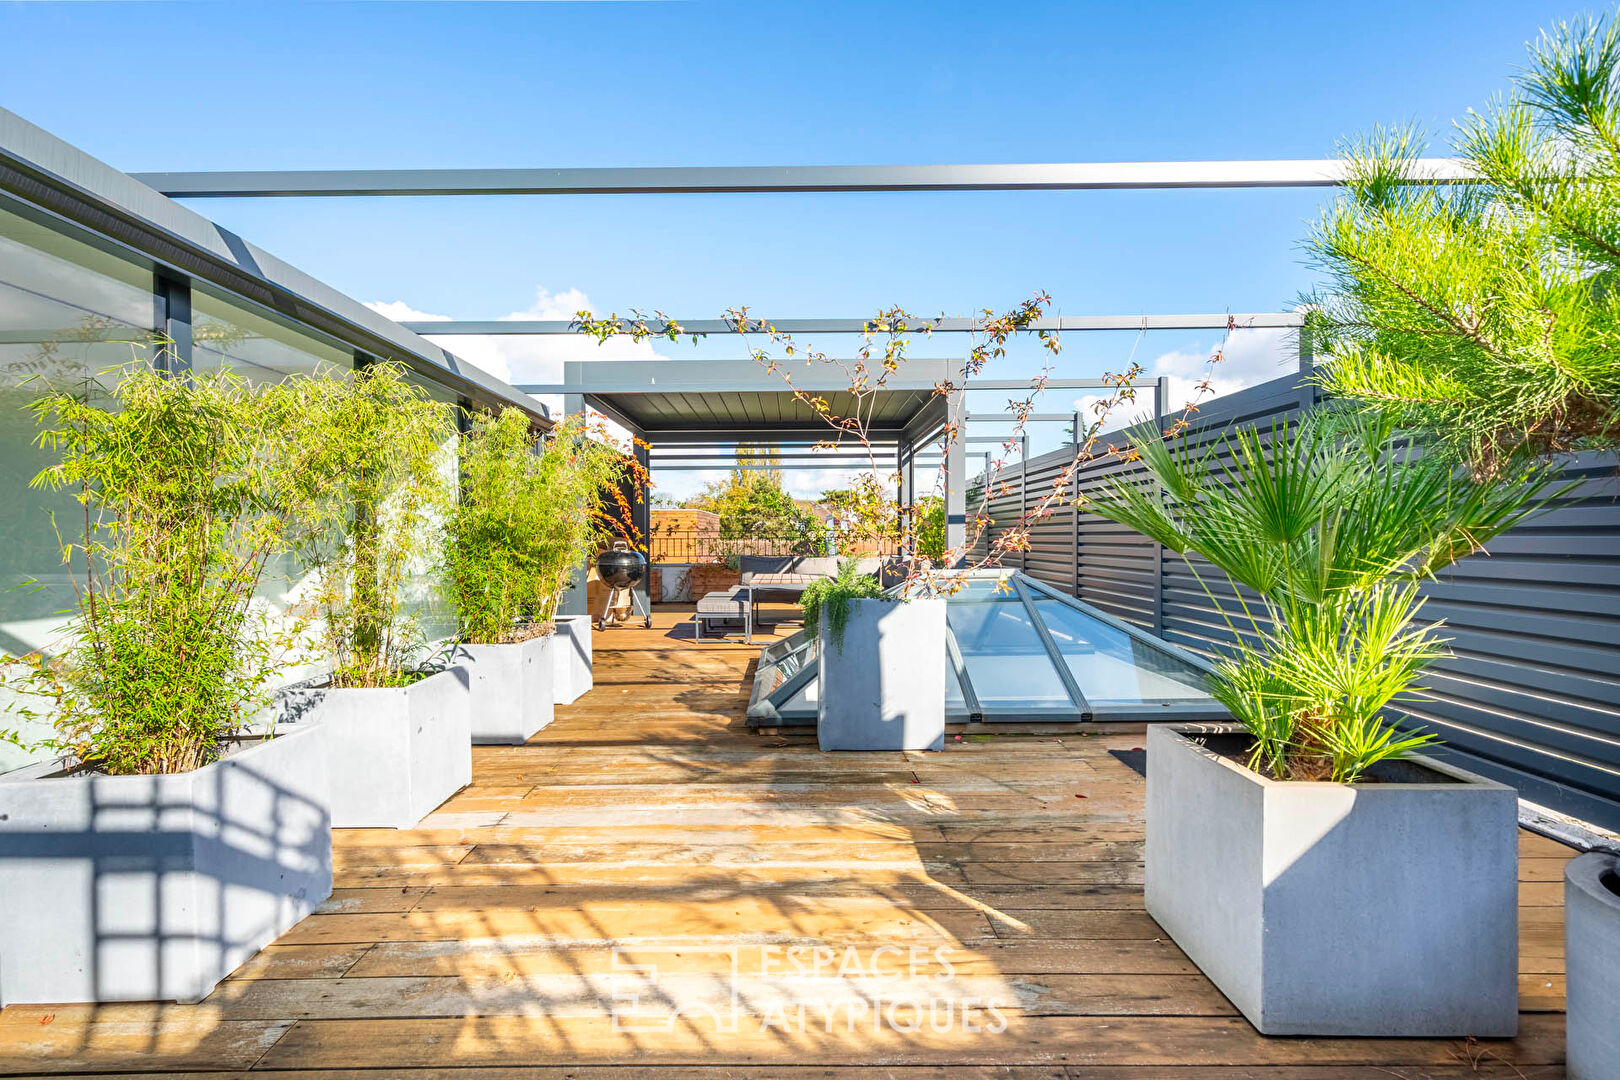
780,578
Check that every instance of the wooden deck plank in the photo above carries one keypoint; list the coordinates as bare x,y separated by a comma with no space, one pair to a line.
648,828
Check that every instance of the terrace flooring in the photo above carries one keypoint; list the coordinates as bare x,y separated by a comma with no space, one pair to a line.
647,855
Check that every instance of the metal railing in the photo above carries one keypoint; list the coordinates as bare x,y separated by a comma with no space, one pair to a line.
709,546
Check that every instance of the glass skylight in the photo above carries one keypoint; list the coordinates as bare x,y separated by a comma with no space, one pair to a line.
1020,650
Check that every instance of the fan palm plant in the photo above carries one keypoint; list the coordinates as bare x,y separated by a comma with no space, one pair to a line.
1325,531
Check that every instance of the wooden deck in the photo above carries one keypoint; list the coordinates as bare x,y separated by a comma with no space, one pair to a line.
620,899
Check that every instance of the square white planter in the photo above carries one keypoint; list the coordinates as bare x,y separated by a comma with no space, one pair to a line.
509,687
154,888
1592,967
572,656
394,753
1336,909
885,689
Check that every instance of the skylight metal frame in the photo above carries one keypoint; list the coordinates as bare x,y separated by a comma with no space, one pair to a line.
769,707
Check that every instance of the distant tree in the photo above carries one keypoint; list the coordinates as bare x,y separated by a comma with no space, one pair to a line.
753,504
930,527
762,460
1486,314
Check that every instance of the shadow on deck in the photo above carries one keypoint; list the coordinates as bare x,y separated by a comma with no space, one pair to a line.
647,888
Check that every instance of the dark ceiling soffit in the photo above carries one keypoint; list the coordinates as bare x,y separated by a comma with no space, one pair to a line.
723,436
1043,176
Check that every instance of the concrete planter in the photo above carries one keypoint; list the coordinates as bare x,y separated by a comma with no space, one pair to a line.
1330,909
885,689
572,655
509,687
147,888
1592,966
395,753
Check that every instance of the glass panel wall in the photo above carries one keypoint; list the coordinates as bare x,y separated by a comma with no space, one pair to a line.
255,345
426,595
71,316
227,333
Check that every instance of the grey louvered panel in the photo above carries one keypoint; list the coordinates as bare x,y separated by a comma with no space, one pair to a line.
1531,694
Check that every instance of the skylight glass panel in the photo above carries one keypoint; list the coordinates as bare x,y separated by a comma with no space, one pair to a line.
1112,667
1006,662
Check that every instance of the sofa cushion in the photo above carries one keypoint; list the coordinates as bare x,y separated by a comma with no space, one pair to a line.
812,565
730,603
749,565
819,565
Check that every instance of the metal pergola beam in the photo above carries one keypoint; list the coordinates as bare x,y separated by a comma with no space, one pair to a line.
655,377
729,437
1270,320
686,180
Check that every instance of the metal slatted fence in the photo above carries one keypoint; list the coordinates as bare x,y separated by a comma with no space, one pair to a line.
1531,694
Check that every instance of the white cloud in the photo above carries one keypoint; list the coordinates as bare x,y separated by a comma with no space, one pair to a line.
803,483
1248,358
526,358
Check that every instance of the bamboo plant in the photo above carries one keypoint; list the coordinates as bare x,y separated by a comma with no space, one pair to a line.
582,505
496,551
187,488
375,525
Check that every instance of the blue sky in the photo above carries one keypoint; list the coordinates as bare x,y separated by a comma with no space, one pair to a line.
153,86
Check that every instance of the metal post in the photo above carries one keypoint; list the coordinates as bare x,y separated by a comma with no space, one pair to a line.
574,599
1161,407
956,474
1023,494
173,298
902,467
1074,508
641,520
1307,370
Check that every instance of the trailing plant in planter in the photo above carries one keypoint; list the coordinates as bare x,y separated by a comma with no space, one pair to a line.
188,488
830,597
1333,527
377,518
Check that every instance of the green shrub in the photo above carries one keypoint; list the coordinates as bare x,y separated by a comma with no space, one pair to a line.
382,449
831,597
931,528
495,544
187,489
580,505
1485,314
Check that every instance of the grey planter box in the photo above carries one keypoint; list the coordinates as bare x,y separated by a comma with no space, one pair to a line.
509,687
394,754
885,690
572,656
1592,967
149,888
1331,909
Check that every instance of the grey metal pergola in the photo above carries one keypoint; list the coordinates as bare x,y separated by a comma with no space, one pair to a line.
697,414
693,413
